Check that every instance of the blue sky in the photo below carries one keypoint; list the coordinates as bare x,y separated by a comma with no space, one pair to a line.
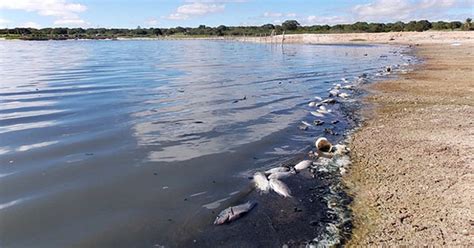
191,13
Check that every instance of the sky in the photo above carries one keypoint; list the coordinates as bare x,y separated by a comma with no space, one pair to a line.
192,13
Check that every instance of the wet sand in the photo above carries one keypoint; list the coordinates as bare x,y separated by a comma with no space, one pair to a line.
412,174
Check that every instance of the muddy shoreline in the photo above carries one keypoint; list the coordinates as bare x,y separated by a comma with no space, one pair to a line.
318,214
411,178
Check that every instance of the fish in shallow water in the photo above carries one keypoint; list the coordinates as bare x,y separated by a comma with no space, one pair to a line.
280,188
278,175
261,182
277,169
317,114
232,213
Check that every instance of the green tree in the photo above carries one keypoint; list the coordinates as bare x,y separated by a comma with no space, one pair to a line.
398,26
268,26
455,25
290,25
440,25
422,25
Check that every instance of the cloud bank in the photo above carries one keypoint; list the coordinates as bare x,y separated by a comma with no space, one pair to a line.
65,13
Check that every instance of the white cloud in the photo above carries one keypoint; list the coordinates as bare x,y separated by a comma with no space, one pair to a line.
31,25
65,12
194,9
390,10
270,14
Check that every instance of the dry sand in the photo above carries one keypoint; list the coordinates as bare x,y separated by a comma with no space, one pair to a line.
413,159
429,37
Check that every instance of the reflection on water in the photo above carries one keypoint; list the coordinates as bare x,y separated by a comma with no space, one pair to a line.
128,142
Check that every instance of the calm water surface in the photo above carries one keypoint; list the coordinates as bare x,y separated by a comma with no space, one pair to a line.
141,143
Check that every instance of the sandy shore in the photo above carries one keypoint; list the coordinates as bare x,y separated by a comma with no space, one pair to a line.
413,159
429,37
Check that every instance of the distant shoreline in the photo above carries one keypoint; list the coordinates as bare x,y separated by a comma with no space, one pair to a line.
407,38
412,38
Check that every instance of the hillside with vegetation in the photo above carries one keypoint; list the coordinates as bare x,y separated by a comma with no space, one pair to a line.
287,27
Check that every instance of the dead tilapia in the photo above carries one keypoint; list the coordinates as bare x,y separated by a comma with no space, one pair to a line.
231,213
303,165
277,169
278,175
261,182
280,188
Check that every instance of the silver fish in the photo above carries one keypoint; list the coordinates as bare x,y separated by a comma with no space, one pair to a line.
303,165
261,182
280,188
306,123
317,114
277,169
278,175
329,100
231,213
344,95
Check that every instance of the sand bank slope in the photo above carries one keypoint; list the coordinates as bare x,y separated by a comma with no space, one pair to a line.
429,37
412,176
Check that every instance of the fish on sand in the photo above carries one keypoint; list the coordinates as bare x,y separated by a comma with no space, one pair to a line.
232,213
280,188
261,182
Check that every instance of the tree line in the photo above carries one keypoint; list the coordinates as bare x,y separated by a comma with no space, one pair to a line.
289,27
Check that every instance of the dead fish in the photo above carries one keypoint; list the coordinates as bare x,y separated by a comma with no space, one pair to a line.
306,123
280,188
333,92
329,100
323,110
344,95
278,175
303,165
322,144
317,114
318,98
277,169
232,213
312,104
344,80
261,182
337,87
348,87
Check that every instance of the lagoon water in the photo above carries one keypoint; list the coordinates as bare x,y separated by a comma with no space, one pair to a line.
142,143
